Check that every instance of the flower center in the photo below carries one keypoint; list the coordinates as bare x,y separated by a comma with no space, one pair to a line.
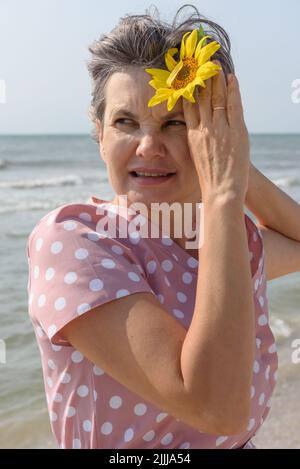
186,74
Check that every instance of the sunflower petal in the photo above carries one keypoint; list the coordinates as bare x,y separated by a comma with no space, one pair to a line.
208,70
173,99
158,73
160,96
188,92
170,62
207,51
191,43
199,81
199,46
182,48
157,84
174,72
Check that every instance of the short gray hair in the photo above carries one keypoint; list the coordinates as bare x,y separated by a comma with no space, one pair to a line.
143,40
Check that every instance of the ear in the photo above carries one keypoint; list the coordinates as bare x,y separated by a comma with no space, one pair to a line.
100,137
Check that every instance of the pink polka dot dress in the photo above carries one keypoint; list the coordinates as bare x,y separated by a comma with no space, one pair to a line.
73,267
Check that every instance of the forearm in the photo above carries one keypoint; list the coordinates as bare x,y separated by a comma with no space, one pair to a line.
271,206
218,351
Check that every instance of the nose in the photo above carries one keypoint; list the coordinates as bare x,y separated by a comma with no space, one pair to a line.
150,146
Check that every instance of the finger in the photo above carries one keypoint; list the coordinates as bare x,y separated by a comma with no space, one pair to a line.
235,112
219,98
191,113
205,108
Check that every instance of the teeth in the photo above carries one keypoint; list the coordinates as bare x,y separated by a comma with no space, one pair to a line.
153,175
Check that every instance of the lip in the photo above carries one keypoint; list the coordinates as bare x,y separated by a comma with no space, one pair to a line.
149,181
152,170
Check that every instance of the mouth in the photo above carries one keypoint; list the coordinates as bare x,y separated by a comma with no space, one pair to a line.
148,180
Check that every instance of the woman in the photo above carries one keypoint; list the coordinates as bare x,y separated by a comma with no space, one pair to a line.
147,342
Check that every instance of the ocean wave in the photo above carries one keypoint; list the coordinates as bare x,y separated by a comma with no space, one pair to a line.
280,329
27,206
68,180
287,182
3,163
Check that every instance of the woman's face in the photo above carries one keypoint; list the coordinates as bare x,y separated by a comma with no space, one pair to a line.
150,138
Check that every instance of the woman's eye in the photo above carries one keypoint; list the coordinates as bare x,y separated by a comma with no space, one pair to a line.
176,123
121,121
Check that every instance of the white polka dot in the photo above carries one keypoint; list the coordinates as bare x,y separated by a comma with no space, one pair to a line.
272,348
92,236
261,301
96,284
53,416
256,284
255,237
185,445
87,425
95,395
81,253
252,391
66,378
134,277
267,372
39,244
160,298
161,416
82,390
76,357
166,241
97,371
122,292
50,219
51,364
262,320
58,397
221,440
250,255
179,314
166,440
140,409
149,436
256,366
70,278
56,247
167,265
182,298
70,225
83,308
115,402
258,342
134,237
187,278
108,263
151,267
128,434
36,272
49,273
117,249
49,381
192,262
41,300
106,428
39,331
261,399
71,411
60,303
85,216
268,403
76,443
52,330
251,424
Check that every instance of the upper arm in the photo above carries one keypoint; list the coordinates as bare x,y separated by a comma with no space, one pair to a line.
138,343
282,254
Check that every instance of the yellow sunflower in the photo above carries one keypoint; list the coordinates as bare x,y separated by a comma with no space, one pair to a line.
181,78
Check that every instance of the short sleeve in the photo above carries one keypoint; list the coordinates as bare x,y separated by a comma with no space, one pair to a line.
72,269
256,252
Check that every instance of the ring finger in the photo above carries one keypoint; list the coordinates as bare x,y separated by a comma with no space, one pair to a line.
219,98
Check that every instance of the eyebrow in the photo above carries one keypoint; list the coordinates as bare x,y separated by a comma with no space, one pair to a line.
170,115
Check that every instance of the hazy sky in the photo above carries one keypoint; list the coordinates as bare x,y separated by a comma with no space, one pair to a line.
44,49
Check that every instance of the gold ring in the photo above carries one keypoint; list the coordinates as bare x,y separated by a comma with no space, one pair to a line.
220,107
